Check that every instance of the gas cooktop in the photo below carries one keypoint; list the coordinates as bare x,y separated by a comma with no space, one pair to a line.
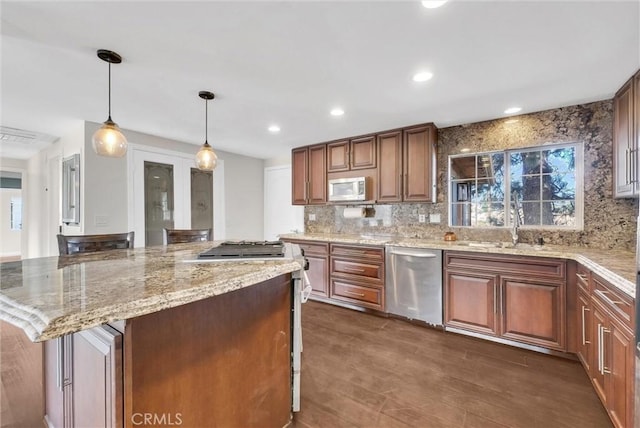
245,250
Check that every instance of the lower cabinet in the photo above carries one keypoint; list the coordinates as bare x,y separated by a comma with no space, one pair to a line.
612,357
83,379
317,253
515,298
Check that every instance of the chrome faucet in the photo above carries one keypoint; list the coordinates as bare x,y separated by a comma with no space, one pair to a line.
516,221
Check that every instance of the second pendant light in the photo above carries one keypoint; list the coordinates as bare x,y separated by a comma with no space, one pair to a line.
206,159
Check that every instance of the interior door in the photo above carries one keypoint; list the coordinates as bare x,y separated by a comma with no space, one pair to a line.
280,216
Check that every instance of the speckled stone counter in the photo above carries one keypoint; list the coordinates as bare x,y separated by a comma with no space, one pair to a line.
615,266
53,296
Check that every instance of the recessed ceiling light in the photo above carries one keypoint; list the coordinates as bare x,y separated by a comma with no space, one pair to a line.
512,110
337,112
423,76
510,121
465,150
274,128
432,4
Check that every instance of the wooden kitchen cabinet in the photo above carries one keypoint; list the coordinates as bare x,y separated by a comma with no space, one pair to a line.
317,253
357,275
419,164
354,154
309,175
390,173
626,136
84,379
514,298
613,357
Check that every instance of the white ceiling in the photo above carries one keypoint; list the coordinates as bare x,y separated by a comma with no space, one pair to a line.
290,62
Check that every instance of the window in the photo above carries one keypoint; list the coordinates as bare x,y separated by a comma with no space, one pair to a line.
543,185
16,213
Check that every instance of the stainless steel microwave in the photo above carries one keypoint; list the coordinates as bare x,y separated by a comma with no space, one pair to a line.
348,189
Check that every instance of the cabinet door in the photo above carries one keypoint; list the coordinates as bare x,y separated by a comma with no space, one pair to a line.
318,274
533,313
390,167
299,176
470,302
623,147
317,174
419,160
97,371
619,363
58,385
338,156
363,153
583,310
598,322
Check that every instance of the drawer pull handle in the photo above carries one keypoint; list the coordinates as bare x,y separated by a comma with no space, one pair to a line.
605,370
582,277
353,293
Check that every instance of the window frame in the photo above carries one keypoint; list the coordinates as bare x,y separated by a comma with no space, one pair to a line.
508,215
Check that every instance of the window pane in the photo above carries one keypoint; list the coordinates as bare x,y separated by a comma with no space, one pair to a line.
461,214
489,215
488,191
559,160
559,213
463,167
530,213
526,162
559,186
531,188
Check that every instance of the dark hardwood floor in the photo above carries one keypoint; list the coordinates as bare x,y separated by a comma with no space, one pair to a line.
360,370
21,393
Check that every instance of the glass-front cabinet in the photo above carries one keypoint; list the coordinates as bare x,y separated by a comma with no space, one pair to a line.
542,186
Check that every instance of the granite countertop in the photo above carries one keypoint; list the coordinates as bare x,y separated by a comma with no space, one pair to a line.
53,296
616,266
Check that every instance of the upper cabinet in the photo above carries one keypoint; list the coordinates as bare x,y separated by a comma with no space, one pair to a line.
309,175
358,153
626,134
400,164
419,164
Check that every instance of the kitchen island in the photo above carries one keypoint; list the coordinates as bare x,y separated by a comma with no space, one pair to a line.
150,337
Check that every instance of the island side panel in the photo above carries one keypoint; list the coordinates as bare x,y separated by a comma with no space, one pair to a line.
222,361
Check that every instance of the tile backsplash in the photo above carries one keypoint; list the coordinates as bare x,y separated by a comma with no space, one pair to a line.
608,222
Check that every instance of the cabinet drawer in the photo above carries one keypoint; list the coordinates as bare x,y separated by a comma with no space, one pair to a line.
583,278
538,267
314,249
369,253
362,269
357,293
614,300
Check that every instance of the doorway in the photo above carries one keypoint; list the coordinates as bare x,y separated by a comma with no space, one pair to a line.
10,215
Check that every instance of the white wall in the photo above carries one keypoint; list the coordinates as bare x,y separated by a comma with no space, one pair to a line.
10,243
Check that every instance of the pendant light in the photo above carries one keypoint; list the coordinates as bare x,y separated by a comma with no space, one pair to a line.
206,159
109,140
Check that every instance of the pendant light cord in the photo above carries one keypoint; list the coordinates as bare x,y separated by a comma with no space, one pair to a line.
109,92
206,121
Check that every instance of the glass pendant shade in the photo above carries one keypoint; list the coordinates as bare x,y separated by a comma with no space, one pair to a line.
109,140
206,159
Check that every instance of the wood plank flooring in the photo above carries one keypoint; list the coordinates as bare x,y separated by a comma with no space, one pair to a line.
360,370
21,393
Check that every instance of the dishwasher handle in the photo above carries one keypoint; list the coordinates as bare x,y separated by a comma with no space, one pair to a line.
422,255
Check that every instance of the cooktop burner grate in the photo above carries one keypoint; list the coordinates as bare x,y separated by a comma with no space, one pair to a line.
245,250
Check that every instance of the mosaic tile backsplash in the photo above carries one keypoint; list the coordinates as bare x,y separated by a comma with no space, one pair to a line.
608,222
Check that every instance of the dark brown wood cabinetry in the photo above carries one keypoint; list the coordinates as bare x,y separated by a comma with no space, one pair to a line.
358,153
626,138
317,253
309,175
357,275
400,164
419,164
513,298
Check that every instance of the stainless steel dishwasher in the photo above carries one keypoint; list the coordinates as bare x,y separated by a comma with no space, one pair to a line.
414,283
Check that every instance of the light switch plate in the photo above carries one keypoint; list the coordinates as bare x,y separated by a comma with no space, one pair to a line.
312,217
101,220
422,218
434,218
